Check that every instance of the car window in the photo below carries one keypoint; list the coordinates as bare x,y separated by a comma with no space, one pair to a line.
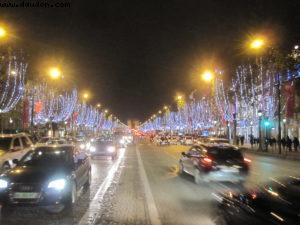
5,143
194,151
16,143
79,155
224,153
47,156
26,142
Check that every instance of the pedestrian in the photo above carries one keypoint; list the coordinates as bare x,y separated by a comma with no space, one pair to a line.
283,143
237,140
251,140
242,140
289,143
296,143
274,141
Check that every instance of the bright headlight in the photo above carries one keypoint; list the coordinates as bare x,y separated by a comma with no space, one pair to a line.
92,149
3,184
82,146
111,149
58,184
88,145
122,141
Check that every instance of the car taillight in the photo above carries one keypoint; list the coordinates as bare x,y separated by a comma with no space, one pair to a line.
247,160
206,161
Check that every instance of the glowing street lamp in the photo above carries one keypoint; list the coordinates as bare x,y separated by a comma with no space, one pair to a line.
54,73
3,32
207,76
179,97
166,107
98,105
257,43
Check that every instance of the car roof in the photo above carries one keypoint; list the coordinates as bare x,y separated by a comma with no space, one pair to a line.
53,145
218,145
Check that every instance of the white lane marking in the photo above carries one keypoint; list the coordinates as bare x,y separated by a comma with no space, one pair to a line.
92,213
153,212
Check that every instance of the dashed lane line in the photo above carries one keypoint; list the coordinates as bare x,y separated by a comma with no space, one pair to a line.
152,209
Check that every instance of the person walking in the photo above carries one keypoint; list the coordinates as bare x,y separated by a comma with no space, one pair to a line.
296,143
251,140
242,140
283,143
289,143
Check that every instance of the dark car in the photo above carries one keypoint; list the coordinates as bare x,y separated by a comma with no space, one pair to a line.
48,177
214,162
275,203
103,148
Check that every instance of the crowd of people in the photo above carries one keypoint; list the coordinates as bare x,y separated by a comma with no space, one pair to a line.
286,142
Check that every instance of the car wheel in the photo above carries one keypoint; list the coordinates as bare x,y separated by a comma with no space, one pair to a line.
197,177
72,198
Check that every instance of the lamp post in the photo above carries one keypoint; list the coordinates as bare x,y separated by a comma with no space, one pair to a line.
259,130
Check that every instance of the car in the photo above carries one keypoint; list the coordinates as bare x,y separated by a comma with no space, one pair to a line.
217,140
13,146
274,203
102,147
48,177
51,141
214,163
188,140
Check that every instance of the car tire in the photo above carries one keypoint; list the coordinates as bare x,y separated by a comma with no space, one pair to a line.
72,198
197,177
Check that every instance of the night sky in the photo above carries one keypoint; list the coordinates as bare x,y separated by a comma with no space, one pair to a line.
133,56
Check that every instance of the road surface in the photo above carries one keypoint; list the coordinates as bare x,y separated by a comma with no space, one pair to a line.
143,187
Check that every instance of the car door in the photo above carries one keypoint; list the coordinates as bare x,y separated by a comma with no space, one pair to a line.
190,158
79,161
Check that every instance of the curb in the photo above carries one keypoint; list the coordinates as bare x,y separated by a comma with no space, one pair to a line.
290,156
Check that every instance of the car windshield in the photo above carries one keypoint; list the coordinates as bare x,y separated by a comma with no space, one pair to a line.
47,156
224,153
5,143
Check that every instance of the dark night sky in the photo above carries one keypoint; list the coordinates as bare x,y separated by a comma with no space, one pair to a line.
134,55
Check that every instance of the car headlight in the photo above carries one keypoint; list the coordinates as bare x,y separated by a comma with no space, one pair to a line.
82,146
58,184
92,149
122,141
111,149
3,184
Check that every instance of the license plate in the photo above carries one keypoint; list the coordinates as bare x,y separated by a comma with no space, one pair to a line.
26,195
228,169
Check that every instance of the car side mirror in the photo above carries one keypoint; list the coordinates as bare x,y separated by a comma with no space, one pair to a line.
15,161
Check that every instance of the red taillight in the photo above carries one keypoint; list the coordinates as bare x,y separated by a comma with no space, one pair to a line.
207,160
247,160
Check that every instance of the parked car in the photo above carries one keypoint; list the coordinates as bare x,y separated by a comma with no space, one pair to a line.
274,203
214,163
48,176
103,148
13,146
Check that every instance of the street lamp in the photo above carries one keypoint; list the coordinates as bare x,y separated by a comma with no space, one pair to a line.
166,107
98,105
257,43
3,32
259,113
207,76
54,73
179,97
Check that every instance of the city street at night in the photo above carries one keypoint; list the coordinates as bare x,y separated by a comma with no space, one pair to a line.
117,112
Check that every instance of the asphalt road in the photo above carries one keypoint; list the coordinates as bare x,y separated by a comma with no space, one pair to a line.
143,187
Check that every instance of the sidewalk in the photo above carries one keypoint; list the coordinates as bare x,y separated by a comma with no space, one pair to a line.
273,152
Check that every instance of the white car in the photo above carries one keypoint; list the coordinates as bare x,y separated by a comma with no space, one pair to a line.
13,146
